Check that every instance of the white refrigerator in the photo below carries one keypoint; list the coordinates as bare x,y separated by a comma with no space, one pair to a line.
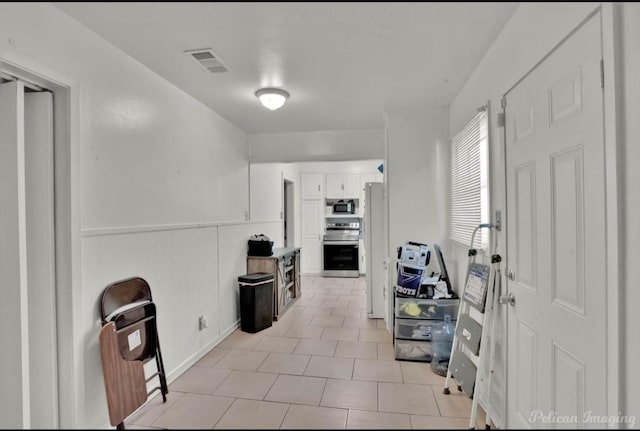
374,243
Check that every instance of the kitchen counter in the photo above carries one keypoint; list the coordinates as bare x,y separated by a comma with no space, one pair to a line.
279,252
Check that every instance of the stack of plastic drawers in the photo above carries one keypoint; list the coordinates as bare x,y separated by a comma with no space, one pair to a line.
414,318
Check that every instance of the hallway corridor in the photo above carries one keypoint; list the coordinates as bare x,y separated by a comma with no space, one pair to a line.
323,365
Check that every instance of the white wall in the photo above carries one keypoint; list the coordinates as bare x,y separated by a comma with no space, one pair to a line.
266,181
267,197
534,29
342,167
153,155
159,189
417,176
328,145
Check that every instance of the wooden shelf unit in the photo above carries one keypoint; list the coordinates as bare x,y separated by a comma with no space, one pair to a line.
284,265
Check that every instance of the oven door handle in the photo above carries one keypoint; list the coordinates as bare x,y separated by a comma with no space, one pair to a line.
331,242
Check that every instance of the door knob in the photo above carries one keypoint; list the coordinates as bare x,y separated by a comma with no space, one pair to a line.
508,299
511,275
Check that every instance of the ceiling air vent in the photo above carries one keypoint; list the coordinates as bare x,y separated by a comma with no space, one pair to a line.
208,59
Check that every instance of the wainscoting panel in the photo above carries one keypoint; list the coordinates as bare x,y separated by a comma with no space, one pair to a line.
192,271
181,267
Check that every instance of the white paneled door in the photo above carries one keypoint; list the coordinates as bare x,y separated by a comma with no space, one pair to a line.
556,250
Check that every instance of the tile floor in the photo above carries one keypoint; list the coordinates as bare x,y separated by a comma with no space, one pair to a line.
323,365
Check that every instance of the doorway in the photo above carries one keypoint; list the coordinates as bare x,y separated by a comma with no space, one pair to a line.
36,244
288,212
556,244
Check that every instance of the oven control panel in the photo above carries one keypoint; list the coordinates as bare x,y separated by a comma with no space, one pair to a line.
343,226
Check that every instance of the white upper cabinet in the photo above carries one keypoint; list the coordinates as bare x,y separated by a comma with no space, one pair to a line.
352,186
343,186
335,186
311,187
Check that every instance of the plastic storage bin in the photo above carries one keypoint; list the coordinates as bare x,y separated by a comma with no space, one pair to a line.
411,350
256,301
413,308
415,329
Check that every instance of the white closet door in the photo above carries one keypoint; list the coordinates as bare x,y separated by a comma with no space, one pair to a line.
14,325
28,372
40,258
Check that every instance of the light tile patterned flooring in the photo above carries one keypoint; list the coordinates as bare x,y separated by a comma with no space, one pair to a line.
323,365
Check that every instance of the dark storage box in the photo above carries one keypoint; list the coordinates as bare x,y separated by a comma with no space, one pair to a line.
260,247
256,301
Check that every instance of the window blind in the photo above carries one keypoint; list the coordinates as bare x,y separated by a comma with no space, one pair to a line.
469,182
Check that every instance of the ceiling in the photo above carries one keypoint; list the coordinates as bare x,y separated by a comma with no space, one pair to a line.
343,63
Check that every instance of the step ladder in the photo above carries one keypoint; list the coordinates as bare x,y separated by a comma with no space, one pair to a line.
467,347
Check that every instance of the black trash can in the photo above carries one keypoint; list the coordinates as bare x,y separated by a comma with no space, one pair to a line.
256,301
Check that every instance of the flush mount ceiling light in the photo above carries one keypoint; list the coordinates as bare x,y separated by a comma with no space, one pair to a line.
272,98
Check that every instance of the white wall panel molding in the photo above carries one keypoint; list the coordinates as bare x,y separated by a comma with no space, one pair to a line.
88,233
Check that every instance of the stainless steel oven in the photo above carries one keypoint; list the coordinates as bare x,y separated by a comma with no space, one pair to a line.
340,248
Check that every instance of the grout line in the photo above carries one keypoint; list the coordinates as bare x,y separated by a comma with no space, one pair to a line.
307,316
436,400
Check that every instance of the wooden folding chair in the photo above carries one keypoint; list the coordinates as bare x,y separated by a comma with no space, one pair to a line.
127,307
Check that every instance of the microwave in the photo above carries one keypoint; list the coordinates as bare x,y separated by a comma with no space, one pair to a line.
344,207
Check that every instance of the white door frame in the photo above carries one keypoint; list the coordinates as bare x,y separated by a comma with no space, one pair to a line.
609,26
289,212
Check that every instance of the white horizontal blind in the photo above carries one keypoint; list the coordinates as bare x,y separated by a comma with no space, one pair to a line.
469,182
